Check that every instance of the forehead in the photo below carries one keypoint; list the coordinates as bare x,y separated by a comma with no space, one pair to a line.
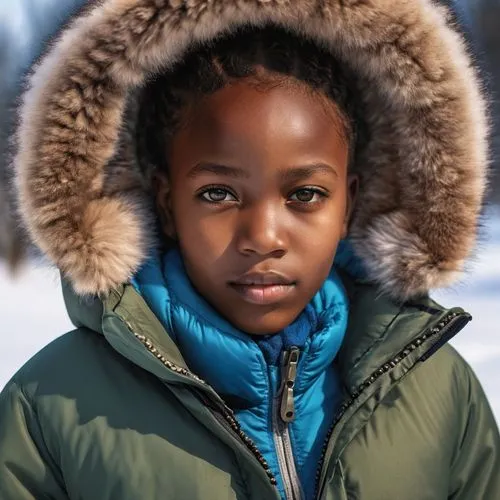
254,125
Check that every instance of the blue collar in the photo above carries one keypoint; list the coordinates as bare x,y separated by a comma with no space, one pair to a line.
230,360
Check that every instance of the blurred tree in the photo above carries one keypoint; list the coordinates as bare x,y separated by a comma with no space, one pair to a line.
7,243
25,28
485,22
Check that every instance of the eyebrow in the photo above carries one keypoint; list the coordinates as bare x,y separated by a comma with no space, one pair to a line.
289,174
214,168
301,173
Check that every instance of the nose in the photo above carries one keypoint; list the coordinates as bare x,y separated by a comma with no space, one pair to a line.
262,230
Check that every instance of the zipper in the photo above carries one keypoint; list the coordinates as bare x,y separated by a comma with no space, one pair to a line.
451,324
283,412
221,412
231,425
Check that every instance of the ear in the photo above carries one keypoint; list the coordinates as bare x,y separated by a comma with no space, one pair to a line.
162,192
352,196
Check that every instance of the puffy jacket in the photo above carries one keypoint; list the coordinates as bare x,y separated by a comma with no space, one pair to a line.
111,411
114,410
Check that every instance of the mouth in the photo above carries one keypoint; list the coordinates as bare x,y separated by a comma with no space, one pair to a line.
263,288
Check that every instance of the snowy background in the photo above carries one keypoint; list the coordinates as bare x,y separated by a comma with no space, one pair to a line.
479,294
33,313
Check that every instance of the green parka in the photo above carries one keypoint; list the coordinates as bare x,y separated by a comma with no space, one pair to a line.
111,410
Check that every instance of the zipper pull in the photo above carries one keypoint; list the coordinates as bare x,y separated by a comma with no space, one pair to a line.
288,375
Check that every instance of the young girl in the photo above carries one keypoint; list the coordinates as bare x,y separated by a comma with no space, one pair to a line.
249,202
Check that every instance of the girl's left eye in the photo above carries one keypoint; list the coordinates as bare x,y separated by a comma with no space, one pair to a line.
308,195
217,195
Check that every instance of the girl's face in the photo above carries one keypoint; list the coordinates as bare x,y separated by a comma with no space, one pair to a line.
258,197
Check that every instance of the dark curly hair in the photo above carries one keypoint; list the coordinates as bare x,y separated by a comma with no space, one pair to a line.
267,57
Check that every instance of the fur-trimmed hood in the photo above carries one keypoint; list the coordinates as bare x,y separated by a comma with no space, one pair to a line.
423,169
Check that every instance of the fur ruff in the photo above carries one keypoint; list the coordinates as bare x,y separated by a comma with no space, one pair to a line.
423,170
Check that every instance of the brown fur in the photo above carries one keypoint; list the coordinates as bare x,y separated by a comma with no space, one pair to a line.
423,170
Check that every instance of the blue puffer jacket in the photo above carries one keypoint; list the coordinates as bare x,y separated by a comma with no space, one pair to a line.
248,373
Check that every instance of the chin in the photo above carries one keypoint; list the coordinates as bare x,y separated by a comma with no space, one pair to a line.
263,326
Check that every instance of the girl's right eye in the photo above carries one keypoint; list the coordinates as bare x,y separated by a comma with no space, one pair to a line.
217,195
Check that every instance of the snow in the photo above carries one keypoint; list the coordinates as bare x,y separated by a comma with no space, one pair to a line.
479,294
32,313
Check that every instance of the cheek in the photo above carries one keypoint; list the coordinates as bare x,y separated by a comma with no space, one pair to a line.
317,239
206,236
321,231
203,238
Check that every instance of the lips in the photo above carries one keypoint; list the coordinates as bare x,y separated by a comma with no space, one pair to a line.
268,278
263,288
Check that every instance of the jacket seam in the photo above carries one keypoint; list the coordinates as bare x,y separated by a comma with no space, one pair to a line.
244,481
376,341
55,468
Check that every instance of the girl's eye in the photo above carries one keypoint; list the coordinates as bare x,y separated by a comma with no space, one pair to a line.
217,195
308,195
